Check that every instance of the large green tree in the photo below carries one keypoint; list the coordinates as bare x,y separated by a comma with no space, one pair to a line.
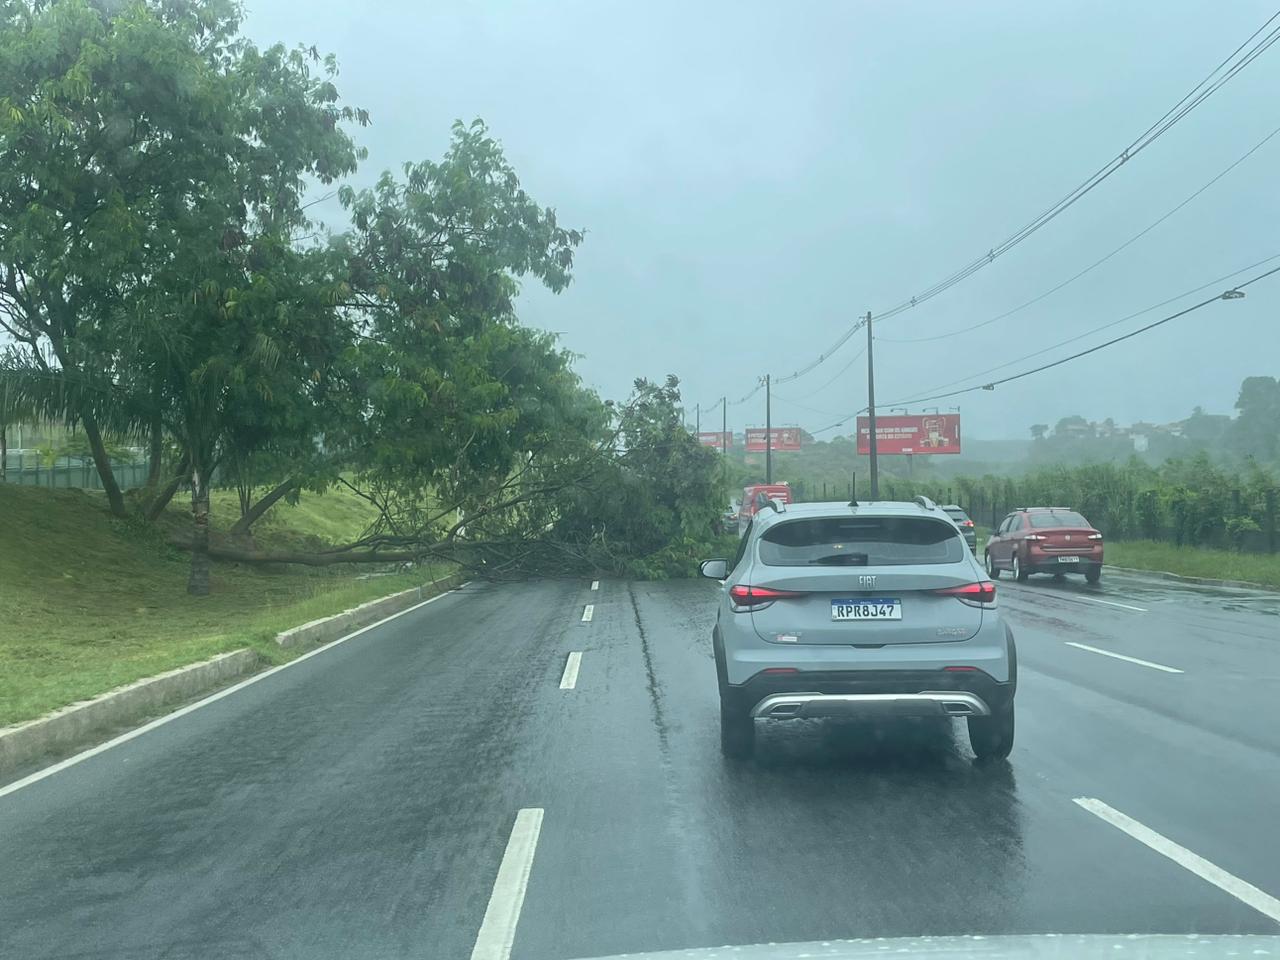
1256,431
152,170
445,386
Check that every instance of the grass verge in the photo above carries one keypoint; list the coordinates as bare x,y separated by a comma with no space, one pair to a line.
88,603
1195,561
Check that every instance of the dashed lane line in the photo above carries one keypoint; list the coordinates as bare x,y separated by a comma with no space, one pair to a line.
1242,890
588,612
569,679
498,929
1121,656
595,584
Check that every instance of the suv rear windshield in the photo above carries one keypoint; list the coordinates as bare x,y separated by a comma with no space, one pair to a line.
1062,518
861,542
955,513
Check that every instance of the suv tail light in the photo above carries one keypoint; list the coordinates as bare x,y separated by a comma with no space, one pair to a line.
1035,536
966,523
743,595
974,594
1095,536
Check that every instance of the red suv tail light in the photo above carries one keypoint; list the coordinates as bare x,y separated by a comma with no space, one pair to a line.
1095,536
1035,536
966,523
984,591
743,595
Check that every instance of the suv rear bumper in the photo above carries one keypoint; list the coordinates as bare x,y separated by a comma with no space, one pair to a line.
897,693
939,703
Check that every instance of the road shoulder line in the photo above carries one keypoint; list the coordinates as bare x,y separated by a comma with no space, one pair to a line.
1113,603
1242,890
204,702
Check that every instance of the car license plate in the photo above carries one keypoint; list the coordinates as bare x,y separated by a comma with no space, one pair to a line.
1068,559
872,608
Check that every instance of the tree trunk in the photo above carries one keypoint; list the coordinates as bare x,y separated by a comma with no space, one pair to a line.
4,450
156,451
115,499
225,552
155,506
198,584
250,516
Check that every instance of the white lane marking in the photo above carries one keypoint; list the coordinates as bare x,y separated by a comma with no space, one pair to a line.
212,698
595,584
498,929
588,612
569,679
1240,889
1121,656
1110,603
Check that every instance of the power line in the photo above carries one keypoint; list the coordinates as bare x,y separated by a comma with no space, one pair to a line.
824,356
1201,92
838,423
825,413
1097,263
759,386
1075,356
840,373
1155,306
1196,96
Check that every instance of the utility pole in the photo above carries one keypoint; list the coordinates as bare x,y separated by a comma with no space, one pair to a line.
768,429
697,420
871,414
724,442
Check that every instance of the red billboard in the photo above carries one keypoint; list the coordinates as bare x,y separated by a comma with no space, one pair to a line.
913,435
784,438
721,441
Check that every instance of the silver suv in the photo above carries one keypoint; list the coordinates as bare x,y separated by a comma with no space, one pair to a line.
860,609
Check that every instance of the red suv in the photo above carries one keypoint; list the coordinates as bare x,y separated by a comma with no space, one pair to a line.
1045,540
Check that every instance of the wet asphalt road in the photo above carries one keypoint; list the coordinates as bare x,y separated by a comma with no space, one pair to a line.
358,804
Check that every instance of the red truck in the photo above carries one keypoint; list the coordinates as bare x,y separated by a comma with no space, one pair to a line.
755,496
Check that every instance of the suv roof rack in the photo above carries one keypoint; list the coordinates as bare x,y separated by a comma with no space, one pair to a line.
924,503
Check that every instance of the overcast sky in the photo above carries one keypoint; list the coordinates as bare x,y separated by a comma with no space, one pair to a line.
754,176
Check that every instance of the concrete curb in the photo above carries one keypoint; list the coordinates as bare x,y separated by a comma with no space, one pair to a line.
1203,581
93,721
340,624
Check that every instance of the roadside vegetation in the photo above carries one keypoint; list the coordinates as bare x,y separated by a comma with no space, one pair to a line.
331,411
1191,517
164,285
1262,569
90,602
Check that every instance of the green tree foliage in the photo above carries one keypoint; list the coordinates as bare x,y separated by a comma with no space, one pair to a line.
151,174
1188,502
1256,430
655,508
160,279
446,394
